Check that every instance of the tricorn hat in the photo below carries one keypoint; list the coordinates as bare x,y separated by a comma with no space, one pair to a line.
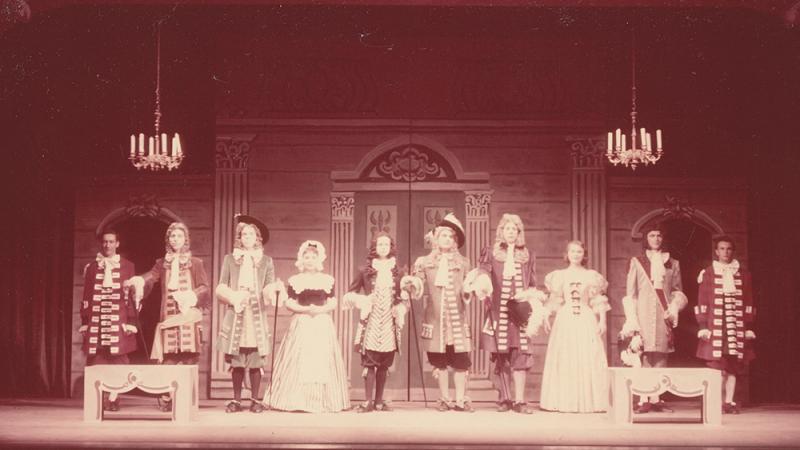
452,222
250,220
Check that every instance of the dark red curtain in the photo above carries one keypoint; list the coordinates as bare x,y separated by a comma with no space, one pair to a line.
35,323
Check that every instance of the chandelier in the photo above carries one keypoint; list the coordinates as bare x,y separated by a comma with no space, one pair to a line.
618,150
155,152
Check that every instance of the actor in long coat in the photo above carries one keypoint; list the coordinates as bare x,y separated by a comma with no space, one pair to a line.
511,267
445,329
653,300
184,291
725,314
243,287
108,314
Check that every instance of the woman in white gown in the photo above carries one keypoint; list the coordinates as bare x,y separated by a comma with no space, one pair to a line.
575,375
309,370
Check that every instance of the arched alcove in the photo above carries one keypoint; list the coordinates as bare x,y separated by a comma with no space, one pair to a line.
673,211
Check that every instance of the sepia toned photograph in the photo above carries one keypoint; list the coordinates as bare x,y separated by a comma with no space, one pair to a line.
400,224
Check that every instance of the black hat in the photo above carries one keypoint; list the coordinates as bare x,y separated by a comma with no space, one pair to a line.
452,222
250,220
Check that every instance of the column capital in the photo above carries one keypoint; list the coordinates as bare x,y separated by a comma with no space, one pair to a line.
587,152
232,151
342,205
477,204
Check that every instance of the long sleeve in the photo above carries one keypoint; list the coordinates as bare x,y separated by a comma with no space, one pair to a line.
357,285
705,292
749,315
678,300
225,272
677,283
200,279
127,272
419,269
532,269
152,276
88,289
631,289
419,272
224,291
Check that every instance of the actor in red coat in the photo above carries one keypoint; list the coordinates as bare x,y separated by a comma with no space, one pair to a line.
184,291
108,316
725,314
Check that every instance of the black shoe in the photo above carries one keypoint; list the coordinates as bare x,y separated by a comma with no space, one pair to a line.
522,408
442,405
366,407
233,406
730,408
256,406
644,408
113,405
727,408
504,405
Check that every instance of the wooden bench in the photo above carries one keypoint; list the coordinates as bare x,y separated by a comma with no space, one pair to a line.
182,382
684,382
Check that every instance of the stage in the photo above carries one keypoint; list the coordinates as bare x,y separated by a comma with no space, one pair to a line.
59,424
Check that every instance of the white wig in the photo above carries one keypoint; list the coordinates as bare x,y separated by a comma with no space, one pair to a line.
311,245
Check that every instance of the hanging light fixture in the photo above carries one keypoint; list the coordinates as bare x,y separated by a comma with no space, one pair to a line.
155,152
640,151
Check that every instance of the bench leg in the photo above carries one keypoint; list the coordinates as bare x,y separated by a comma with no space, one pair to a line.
619,409
92,399
712,402
186,396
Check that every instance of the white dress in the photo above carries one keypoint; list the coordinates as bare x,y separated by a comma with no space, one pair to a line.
309,370
575,375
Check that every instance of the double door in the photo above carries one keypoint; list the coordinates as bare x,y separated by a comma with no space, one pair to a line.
407,216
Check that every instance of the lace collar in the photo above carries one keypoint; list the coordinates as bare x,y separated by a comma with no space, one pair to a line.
311,281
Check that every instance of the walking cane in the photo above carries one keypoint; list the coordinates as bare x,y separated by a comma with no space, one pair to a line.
419,357
500,369
272,356
499,365
140,331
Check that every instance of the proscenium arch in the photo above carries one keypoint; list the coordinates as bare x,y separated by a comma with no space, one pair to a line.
696,216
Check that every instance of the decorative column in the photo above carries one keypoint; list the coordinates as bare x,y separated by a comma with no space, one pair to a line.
341,264
231,196
589,223
478,236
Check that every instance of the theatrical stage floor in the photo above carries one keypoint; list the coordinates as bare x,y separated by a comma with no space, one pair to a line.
59,424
